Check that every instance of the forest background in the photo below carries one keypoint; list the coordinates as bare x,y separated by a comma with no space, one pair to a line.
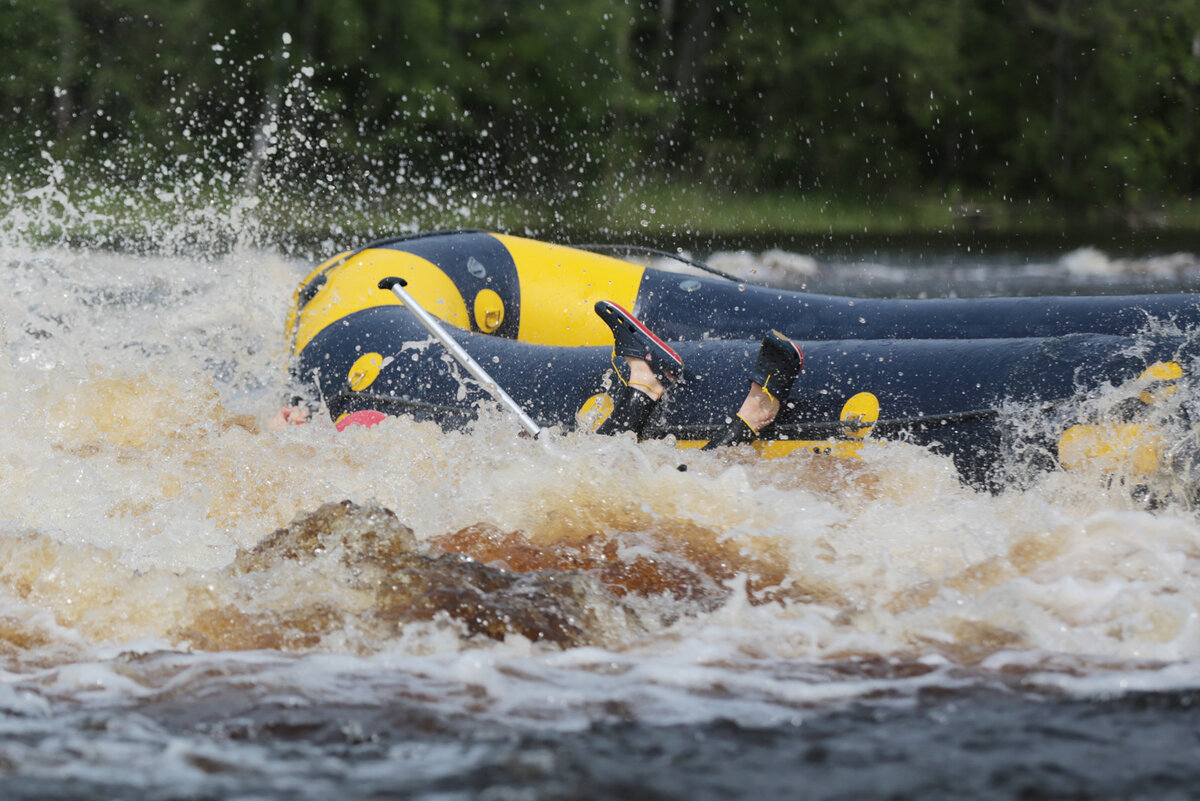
603,114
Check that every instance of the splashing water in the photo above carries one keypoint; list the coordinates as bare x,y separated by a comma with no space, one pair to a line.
177,570
520,585
139,387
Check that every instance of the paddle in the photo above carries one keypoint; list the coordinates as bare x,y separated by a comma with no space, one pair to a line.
396,285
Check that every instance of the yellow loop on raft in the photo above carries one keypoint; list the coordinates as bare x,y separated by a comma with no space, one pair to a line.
489,310
364,371
859,414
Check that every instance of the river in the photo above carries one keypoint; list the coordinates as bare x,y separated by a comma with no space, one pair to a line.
194,605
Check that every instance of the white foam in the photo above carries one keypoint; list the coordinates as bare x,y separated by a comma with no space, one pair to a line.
1091,262
129,482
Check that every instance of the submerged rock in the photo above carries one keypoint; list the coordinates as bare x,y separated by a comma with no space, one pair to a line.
351,570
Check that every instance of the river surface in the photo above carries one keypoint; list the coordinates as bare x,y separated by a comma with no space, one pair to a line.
194,605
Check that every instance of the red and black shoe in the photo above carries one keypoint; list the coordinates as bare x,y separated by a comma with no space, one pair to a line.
779,362
634,403
632,338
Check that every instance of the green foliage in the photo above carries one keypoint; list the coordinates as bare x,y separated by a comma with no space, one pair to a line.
1089,103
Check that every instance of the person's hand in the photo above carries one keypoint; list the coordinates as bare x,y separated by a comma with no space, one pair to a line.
290,416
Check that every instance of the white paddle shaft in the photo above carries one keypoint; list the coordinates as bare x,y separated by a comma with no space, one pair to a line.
459,353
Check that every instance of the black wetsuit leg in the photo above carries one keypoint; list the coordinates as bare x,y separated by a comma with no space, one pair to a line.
631,410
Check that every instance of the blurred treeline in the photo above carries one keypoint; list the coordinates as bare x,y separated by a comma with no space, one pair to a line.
1087,103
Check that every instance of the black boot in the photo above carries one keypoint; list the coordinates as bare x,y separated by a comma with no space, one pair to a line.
736,432
779,362
631,410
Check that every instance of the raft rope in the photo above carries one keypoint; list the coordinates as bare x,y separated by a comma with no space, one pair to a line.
595,247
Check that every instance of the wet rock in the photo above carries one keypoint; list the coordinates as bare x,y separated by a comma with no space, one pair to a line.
363,535
548,606
675,560
346,568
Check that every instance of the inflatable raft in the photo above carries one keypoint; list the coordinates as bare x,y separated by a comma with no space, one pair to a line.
946,374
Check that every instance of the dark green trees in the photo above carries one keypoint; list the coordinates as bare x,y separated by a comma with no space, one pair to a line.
1089,103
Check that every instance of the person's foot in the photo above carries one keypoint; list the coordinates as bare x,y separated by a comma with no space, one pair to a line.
779,362
653,364
759,408
643,379
757,412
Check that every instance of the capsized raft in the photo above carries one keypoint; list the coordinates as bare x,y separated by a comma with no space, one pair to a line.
942,370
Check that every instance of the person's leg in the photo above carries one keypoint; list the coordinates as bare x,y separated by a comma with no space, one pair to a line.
779,362
633,401
652,365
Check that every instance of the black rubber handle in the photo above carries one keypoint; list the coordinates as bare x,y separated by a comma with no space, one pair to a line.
391,281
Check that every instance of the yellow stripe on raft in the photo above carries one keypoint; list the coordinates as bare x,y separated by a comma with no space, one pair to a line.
294,310
354,285
560,286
